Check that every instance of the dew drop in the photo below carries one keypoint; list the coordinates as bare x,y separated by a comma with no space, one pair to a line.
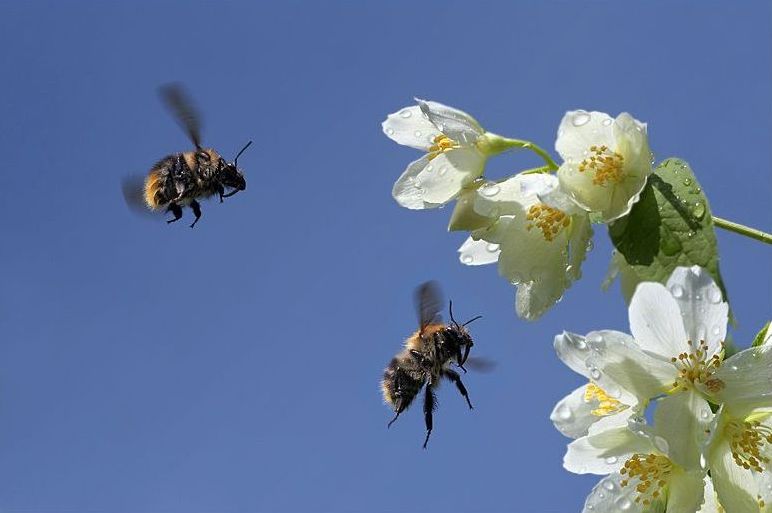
716,329
607,121
443,171
580,344
595,374
428,168
677,291
492,247
608,484
564,412
590,245
714,295
595,338
601,495
389,131
611,460
699,210
417,134
405,113
623,503
661,444
581,118
687,181
467,259
704,414
490,190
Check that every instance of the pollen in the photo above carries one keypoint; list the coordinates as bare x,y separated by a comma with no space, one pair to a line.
606,405
441,144
696,367
549,220
747,441
607,165
648,473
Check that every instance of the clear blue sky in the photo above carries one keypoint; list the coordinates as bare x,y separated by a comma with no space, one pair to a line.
235,367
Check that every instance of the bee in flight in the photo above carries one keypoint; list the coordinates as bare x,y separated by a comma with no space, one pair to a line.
182,179
427,357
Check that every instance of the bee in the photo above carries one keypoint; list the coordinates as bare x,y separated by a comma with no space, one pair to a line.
181,179
427,357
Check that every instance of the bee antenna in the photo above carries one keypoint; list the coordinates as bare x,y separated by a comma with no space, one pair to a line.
236,160
472,320
450,308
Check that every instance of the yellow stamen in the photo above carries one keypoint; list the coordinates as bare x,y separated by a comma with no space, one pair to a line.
695,367
607,165
747,439
442,143
651,472
606,405
549,220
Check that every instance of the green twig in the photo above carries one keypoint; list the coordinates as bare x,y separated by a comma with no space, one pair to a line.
753,233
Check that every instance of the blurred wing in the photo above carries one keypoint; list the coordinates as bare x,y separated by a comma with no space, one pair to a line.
480,364
181,107
429,304
133,188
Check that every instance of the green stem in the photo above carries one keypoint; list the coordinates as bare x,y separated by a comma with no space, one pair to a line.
753,233
495,144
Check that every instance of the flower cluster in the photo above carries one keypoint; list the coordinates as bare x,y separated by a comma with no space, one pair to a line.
535,224
710,444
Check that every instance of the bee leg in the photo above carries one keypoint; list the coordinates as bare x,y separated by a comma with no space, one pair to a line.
221,192
429,400
196,211
455,378
176,210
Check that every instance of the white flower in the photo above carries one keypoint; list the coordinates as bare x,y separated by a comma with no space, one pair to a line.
591,408
644,475
456,149
606,161
541,236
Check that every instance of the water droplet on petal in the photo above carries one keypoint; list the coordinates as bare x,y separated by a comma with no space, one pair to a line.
677,291
623,503
590,245
492,247
564,412
490,190
608,484
661,444
611,460
405,113
595,373
443,171
417,134
607,121
704,414
581,118
716,329
428,168
467,259
390,131
714,295
595,338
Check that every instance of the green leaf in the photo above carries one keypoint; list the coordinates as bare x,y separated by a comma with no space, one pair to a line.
762,337
669,226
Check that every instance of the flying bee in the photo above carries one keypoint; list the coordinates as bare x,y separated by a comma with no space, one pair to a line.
181,179
427,357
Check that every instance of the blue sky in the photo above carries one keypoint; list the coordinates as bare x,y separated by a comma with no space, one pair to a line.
235,367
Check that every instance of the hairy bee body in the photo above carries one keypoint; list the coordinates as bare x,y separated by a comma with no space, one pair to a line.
427,358
183,177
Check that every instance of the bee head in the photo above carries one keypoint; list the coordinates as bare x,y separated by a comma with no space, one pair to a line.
462,336
231,176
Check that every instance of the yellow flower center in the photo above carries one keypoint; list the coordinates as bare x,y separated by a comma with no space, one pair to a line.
608,165
549,220
696,367
651,472
747,440
606,405
442,143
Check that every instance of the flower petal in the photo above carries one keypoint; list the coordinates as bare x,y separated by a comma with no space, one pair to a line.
710,505
685,491
745,379
604,453
572,350
705,314
443,178
578,244
407,190
508,197
572,415
734,485
617,360
682,420
478,252
456,124
464,218
655,321
609,496
410,127
579,130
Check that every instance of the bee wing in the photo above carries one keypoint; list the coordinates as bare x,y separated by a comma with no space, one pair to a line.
480,364
133,188
181,107
429,304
